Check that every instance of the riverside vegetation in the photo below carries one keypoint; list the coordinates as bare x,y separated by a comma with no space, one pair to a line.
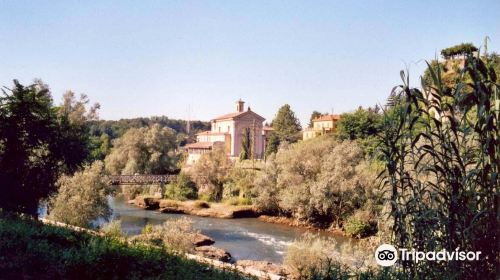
420,172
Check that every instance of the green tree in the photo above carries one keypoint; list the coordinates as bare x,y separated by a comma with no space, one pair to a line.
212,170
73,117
143,150
314,115
246,144
182,188
286,128
285,124
320,181
461,49
81,198
360,124
36,145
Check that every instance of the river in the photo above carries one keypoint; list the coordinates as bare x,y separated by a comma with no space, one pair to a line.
246,238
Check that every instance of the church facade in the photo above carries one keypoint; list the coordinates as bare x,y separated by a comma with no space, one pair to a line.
227,133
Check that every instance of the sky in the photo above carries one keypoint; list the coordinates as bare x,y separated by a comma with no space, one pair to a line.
194,59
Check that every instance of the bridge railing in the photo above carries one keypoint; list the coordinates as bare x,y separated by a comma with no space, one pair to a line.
140,179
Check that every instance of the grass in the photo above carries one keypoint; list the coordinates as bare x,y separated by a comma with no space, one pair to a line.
30,249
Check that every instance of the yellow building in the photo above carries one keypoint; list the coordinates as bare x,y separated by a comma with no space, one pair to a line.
322,125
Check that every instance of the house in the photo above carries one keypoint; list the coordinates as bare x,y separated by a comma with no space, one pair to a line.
227,133
321,125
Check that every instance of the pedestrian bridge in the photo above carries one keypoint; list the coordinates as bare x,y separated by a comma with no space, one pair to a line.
140,179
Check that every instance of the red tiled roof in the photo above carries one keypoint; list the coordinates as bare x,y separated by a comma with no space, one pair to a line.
200,145
236,115
229,116
327,118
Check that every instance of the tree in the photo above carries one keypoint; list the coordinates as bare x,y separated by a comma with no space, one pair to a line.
320,181
212,170
360,124
315,114
74,117
81,198
286,128
35,147
461,49
285,124
272,144
246,144
143,150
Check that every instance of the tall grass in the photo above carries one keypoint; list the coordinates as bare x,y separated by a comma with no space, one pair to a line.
441,145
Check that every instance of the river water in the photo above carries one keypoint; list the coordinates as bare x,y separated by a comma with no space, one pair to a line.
246,238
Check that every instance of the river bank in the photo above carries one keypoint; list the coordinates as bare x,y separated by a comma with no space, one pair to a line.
220,210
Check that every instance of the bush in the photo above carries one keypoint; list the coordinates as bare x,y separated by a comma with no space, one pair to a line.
359,225
178,235
81,198
113,229
239,201
148,228
313,256
182,188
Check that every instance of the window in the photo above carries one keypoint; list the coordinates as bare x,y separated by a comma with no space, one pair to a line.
228,128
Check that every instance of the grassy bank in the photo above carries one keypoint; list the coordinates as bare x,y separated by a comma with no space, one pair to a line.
30,249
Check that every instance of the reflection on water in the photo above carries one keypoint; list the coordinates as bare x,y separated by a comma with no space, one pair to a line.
247,238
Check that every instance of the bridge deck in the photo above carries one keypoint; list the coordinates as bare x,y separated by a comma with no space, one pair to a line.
140,179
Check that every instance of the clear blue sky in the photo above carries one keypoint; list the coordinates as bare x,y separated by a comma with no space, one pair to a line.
145,58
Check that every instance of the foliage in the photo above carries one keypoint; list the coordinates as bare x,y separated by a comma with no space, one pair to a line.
360,225
461,49
286,128
29,249
442,183
182,188
314,115
81,198
321,181
144,151
239,184
272,144
212,171
38,142
313,256
116,129
73,118
246,145
176,234
113,229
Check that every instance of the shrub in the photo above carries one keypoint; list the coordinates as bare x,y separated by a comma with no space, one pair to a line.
182,188
313,256
177,234
81,198
113,229
148,228
359,225
239,201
